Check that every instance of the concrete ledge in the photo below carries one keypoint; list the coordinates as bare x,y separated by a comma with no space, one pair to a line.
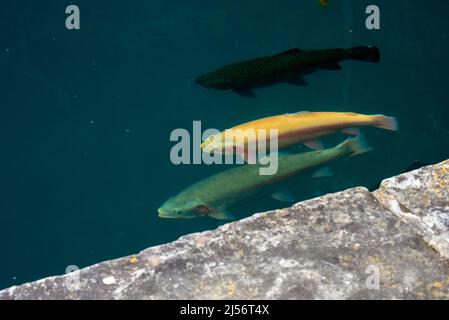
331,247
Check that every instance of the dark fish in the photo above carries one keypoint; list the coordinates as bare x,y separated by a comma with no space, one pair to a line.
289,67
414,166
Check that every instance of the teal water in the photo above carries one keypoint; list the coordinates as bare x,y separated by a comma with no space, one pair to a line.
85,115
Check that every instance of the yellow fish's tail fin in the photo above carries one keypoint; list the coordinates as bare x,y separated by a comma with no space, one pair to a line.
387,123
356,145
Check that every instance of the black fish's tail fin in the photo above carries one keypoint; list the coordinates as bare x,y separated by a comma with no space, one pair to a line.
369,54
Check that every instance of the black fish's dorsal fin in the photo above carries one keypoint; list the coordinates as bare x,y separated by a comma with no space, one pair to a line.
289,52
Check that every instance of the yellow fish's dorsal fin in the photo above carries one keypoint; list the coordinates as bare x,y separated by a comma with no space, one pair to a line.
298,113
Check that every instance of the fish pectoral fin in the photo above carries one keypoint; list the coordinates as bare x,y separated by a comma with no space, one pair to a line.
221,215
314,144
323,172
300,82
283,195
334,66
289,52
245,92
352,131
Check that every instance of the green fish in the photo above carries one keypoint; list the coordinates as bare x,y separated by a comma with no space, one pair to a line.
289,67
213,196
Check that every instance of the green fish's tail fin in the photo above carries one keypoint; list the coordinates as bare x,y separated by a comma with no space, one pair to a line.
369,54
355,145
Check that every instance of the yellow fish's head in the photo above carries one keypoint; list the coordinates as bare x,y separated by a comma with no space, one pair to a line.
208,145
217,144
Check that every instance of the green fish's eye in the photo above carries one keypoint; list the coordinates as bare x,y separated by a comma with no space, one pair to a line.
202,209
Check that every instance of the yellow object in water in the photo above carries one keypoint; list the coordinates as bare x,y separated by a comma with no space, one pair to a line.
302,127
324,3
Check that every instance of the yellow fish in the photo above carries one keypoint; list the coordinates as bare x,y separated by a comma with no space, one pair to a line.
302,127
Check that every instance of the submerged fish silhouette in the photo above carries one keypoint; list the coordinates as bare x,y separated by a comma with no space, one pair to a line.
289,67
414,166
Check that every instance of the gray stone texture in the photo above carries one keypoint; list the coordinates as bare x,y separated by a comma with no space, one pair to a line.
331,247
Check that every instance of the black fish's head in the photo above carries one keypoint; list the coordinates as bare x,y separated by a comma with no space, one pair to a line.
176,208
213,81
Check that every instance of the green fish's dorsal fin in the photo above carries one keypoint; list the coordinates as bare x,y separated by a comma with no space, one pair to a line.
289,52
221,215
266,159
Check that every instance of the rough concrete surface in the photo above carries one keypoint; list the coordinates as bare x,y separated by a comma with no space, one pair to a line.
389,244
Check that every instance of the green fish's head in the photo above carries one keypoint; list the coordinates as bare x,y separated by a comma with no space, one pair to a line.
176,208
213,81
